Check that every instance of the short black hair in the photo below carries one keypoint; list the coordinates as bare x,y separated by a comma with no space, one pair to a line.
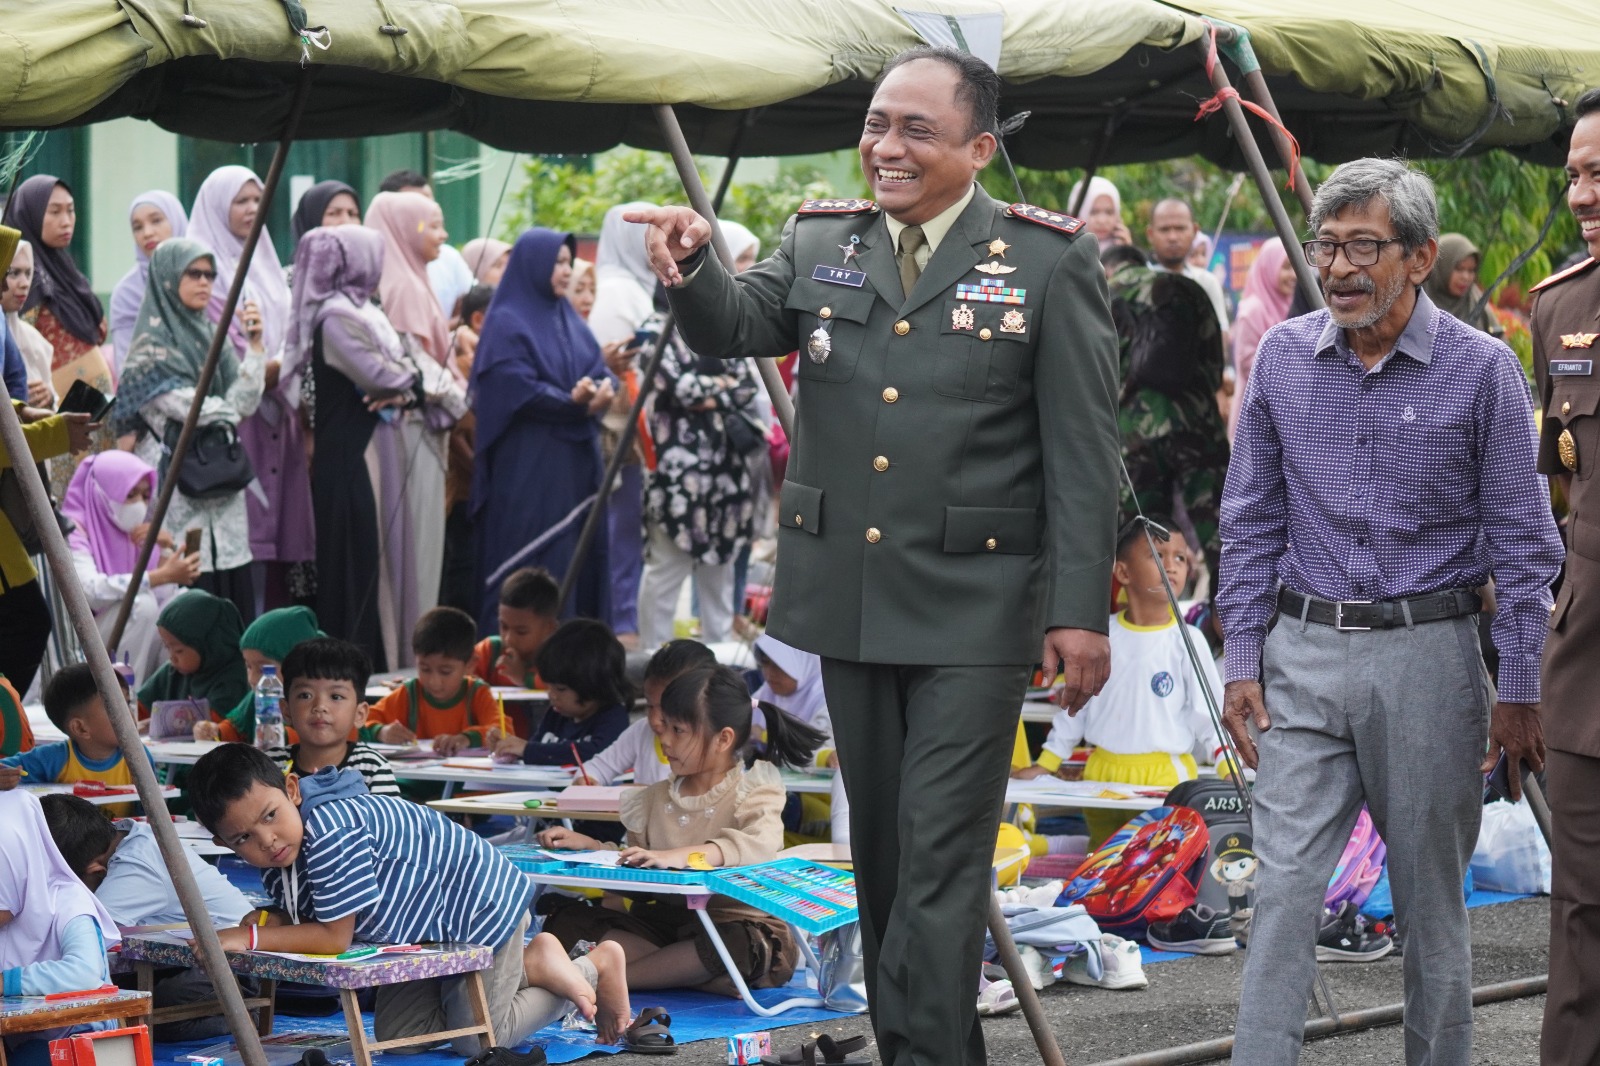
1132,534
586,656
476,299
1588,104
676,657
81,830
327,659
224,775
68,694
978,87
402,179
447,631
531,589
1120,255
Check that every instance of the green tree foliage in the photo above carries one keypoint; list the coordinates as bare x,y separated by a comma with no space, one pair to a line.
571,197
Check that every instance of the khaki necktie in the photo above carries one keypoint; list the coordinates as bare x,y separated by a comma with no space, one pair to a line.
911,239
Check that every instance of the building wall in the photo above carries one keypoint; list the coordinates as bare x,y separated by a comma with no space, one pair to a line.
127,157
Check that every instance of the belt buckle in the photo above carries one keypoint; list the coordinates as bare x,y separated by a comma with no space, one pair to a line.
1338,617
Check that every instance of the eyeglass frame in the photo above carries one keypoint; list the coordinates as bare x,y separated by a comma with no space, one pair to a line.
1338,246
199,274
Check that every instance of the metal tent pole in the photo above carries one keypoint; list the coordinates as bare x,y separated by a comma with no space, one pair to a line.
1263,177
59,556
1096,155
1237,41
168,484
647,378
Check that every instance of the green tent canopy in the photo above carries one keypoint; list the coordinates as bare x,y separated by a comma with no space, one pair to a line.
793,77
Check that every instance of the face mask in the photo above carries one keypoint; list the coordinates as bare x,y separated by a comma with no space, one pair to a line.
127,515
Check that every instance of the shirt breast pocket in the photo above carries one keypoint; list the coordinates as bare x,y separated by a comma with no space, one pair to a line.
983,349
841,313
1430,466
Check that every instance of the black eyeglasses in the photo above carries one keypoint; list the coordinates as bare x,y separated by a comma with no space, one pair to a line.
200,274
1362,252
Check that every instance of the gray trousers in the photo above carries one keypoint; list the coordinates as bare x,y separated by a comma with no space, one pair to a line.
925,752
1396,719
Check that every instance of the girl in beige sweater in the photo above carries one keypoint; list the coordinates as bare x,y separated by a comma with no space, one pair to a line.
719,808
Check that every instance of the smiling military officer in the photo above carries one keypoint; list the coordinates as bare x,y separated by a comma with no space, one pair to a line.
950,503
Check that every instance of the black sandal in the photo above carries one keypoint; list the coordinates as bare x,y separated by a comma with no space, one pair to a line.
833,1053
504,1056
651,1033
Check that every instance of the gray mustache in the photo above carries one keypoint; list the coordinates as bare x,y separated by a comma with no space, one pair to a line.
1356,285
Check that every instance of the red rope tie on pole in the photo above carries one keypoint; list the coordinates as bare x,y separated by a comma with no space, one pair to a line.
1228,92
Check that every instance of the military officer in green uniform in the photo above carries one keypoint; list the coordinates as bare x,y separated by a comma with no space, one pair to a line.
1566,346
950,503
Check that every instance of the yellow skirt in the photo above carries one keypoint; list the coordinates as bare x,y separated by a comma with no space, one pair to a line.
1152,769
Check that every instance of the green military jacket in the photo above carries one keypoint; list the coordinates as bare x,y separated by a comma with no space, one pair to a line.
1149,416
952,488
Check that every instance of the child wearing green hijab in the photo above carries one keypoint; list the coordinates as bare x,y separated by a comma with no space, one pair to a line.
201,634
266,642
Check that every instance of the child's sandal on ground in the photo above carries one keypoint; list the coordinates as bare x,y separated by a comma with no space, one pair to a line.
826,1050
650,1033
504,1056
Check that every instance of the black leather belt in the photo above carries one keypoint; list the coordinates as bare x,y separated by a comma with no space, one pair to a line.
1380,614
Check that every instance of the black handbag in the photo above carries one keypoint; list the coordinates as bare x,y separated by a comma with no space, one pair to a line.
745,435
215,465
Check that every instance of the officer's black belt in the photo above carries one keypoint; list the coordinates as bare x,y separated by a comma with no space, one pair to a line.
1380,614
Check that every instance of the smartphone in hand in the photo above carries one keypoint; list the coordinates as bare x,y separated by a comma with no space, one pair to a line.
191,542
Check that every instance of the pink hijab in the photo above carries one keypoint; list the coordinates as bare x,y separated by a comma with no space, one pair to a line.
407,298
98,487
38,887
1261,308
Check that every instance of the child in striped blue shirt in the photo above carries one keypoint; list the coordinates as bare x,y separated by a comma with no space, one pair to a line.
344,865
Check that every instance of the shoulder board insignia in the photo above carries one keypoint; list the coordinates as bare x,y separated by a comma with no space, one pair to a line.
1049,219
838,207
1570,272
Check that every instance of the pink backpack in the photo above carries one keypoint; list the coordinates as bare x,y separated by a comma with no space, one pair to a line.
1359,867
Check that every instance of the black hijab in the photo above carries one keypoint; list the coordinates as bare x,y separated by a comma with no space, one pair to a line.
57,282
313,202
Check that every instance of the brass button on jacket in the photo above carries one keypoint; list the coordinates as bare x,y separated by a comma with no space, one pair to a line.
799,520
826,312
984,334
873,536
902,327
991,544
881,463
891,394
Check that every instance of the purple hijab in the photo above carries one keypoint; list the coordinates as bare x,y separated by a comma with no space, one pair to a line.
99,485
129,293
533,342
336,271
57,281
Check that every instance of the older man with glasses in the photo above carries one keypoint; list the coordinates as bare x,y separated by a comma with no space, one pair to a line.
1383,471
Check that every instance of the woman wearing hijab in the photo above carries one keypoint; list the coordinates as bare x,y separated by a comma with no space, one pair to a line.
37,353
413,232
358,470
698,509
158,383
1268,291
539,384
282,533
153,217
209,626
107,501
580,290
1102,212
62,304
487,259
327,203
792,682
1453,285
623,301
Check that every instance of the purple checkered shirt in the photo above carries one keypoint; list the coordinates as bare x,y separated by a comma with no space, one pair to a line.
1413,477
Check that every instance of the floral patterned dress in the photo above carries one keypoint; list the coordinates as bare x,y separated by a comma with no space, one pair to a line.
699,493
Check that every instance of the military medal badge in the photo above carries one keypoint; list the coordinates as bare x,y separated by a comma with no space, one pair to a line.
994,268
962,317
1013,322
1567,450
819,345
850,250
1579,340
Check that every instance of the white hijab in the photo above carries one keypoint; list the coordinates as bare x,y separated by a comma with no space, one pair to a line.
38,887
806,668
624,284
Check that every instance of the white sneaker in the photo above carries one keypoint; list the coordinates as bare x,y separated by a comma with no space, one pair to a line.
1041,974
1044,895
1121,965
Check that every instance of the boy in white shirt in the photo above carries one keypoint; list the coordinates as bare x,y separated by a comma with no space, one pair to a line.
1152,712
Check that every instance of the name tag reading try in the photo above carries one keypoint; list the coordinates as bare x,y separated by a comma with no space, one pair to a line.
1571,367
839,276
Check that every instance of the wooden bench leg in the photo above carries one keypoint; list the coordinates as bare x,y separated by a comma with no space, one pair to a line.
480,1007
145,981
358,1032
264,1018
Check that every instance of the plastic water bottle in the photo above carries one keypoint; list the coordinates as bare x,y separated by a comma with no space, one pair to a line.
269,709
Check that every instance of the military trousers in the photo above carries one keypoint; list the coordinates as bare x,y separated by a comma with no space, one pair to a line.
1572,1007
925,752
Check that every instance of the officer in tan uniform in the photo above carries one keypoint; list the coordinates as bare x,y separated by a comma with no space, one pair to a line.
949,508
1566,350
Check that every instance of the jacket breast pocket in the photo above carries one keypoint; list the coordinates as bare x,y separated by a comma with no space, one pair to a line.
982,350
1573,403
800,507
840,312
1002,530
